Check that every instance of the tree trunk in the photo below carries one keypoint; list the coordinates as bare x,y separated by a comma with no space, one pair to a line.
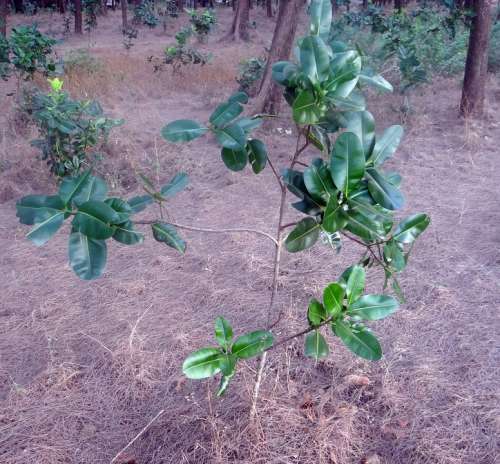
269,8
239,28
270,93
78,17
18,6
4,8
398,5
123,4
476,66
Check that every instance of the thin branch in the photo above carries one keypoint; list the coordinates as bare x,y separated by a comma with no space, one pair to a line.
275,172
130,443
290,224
212,231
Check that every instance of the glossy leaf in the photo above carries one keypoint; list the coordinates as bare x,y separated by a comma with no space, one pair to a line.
257,155
87,256
71,185
364,226
225,113
33,209
316,346
345,68
166,233
314,59
95,219
240,97
333,298
383,192
393,256
223,332
122,209
354,102
359,340
362,124
318,181
334,218
411,227
304,235
376,81
321,17
316,313
183,130
125,233
373,307
93,188
347,165
252,344
202,363
236,160
176,184
232,137
140,203
386,145
355,284
45,229
305,108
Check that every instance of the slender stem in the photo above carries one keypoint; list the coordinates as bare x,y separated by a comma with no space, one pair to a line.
275,172
290,224
212,231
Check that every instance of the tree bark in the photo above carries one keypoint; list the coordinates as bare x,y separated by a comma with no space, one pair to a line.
476,66
123,5
269,8
78,17
239,28
270,93
4,8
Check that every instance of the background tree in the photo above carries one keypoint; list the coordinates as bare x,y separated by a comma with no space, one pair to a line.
3,17
239,28
270,93
78,17
476,66
269,8
123,5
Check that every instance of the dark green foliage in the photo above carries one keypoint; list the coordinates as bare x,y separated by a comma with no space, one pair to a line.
251,71
70,130
202,22
144,13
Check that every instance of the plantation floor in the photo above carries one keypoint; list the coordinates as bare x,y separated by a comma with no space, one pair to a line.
84,366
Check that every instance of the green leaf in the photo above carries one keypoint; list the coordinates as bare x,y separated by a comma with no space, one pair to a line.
252,344
321,17
355,284
375,80
373,307
334,218
411,227
42,231
33,209
304,235
345,68
92,188
72,185
359,340
147,183
225,113
202,363
316,346
364,226
347,165
167,234
333,299
223,332
386,145
249,124
235,160
305,109
257,155
362,124
316,313
176,184
318,181
383,192
95,219
183,130
126,234
224,383
240,97
122,208
87,256
140,203
354,102
232,137
314,59
393,256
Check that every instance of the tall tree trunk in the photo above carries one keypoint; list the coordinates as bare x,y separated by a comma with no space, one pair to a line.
4,8
239,28
78,17
270,93
476,66
269,8
123,4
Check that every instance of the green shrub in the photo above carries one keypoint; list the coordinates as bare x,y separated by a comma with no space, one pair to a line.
251,72
70,130
202,22
145,13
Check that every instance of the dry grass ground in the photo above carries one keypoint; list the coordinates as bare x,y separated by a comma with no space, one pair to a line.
84,366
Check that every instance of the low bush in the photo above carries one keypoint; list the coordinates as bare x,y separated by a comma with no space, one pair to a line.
251,71
202,22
